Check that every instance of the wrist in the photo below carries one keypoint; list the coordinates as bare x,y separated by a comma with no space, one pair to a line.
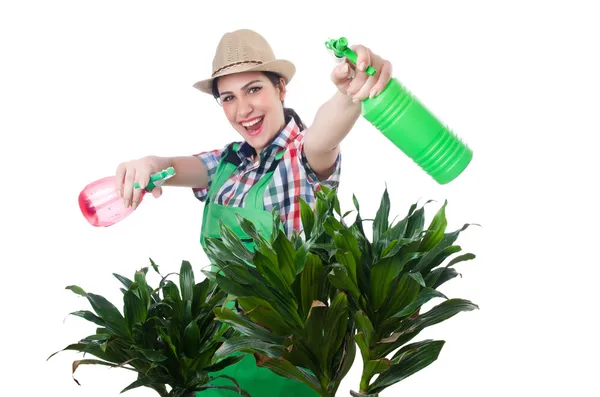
346,101
161,163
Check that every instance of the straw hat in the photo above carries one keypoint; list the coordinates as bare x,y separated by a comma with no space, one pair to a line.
245,50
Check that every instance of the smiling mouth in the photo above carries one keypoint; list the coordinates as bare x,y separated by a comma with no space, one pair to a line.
254,127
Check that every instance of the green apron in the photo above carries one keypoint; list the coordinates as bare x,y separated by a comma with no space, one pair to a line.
259,382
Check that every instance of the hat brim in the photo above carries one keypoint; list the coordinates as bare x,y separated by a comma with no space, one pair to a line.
284,68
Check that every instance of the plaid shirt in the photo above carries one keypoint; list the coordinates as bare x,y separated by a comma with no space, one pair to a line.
292,178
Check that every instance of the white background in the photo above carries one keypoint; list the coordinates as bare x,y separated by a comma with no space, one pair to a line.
85,85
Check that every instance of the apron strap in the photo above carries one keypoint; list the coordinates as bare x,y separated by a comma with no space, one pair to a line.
255,196
227,165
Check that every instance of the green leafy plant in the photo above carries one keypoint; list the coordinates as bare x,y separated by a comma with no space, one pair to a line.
303,302
167,335
289,317
388,280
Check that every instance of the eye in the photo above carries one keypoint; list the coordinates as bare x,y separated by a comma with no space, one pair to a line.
254,90
227,98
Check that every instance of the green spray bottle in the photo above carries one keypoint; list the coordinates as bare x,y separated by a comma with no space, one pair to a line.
405,121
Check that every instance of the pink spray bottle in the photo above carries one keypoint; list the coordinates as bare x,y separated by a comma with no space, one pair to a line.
101,205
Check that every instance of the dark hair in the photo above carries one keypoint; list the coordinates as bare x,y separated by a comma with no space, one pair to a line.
288,113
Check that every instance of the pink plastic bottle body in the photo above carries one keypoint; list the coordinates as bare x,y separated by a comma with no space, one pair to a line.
100,204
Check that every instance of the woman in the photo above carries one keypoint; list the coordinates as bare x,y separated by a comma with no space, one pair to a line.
278,160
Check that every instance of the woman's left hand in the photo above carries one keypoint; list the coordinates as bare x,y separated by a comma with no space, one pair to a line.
352,79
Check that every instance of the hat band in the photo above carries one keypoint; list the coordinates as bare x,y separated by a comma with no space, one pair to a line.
235,64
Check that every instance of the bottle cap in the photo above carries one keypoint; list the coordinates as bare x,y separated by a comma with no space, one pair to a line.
340,49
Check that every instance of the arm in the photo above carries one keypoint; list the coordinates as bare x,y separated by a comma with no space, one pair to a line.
190,171
333,121
336,117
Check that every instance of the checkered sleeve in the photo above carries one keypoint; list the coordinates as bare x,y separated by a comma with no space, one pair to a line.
332,181
210,159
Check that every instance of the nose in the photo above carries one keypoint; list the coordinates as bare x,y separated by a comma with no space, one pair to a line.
244,107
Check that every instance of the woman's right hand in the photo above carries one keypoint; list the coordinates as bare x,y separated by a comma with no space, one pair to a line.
139,171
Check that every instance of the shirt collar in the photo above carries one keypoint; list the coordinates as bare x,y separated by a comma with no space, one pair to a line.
281,141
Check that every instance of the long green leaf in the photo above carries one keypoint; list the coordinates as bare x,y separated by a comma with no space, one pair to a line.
76,289
394,247
186,281
312,283
249,228
415,223
233,243
447,240
339,278
89,316
286,258
219,253
381,223
355,394
436,229
154,266
191,339
302,255
286,369
113,319
364,325
314,331
299,354
247,344
124,280
272,273
77,363
346,242
447,273
241,273
231,287
235,388
286,304
377,366
402,292
244,325
343,361
383,273
307,217
148,381
396,232
80,347
363,346
411,327
224,363
151,355
336,324
134,309
348,260
173,298
418,277
263,314
144,291
409,364
201,291
424,296
461,258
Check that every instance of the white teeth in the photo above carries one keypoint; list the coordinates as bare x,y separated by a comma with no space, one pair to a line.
251,123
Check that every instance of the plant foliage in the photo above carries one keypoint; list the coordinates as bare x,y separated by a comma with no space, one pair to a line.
304,303
167,335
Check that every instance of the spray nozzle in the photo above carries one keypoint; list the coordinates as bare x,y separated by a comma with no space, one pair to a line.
340,49
157,179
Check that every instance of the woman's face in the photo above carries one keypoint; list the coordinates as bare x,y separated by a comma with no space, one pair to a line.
253,106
